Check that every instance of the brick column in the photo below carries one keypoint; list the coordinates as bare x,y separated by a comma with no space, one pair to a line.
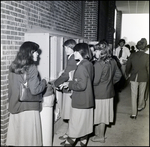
102,19
118,27
110,22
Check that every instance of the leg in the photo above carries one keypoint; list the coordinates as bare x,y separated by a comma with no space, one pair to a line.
100,133
124,78
122,81
70,142
102,130
97,130
65,135
142,88
66,111
134,92
147,91
96,136
83,140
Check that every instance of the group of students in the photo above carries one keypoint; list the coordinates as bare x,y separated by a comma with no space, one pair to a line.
87,84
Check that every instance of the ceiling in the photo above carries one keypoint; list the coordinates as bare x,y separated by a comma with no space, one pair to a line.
132,7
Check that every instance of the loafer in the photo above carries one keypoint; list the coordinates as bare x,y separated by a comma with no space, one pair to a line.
65,136
140,109
63,143
98,139
82,144
132,116
71,142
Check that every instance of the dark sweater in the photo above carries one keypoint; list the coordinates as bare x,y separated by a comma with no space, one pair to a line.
82,86
36,87
106,75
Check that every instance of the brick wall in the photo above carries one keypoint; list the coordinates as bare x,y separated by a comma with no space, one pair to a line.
91,20
16,18
63,16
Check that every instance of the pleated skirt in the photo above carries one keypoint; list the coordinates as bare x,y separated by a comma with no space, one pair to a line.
66,106
80,123
24,129
103,112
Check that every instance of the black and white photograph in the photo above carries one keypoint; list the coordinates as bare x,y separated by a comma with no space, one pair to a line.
74,73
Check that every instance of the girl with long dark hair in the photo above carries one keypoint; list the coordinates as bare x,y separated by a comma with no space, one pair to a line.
24,127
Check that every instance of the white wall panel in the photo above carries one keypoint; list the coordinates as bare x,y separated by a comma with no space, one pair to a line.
43,40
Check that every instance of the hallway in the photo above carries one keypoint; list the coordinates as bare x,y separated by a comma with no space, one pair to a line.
125,131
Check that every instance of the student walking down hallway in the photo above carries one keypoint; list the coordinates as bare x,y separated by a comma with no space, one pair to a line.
125,131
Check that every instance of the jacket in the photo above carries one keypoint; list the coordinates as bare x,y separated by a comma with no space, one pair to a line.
71,65
36,87
106,75
138,64
82,86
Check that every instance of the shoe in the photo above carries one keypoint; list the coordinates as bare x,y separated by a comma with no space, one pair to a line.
98,139
82,144
71,142
140,109
133,116
65,136
102,140
63,143
68,145
119,90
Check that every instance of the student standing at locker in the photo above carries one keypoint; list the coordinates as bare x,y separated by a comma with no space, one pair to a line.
24,127
106,75
64,77
81,119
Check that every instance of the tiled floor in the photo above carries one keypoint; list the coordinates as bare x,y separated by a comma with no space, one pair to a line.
125,131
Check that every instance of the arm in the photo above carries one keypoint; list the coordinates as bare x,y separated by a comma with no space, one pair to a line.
128,53
79,82
36,86
65,75
117,53
9,86
147,65
128,66
118,74
98,72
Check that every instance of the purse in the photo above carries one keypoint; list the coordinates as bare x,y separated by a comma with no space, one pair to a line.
25,93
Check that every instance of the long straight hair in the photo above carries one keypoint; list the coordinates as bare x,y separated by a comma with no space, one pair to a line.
24,57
